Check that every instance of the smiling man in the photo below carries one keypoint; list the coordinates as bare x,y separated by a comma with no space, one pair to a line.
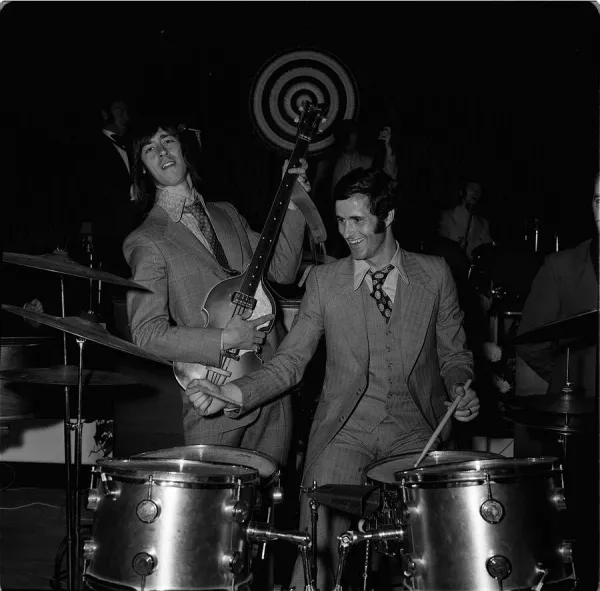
395,355
182,250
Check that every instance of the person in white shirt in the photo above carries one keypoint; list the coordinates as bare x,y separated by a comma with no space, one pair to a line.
463,225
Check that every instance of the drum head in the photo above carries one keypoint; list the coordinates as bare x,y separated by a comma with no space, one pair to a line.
176,471
479,470
220,454
384,471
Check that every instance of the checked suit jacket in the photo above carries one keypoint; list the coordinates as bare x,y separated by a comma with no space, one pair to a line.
428,326
168,259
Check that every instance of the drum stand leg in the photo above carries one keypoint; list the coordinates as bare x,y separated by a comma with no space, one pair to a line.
78,440
314,518
67,437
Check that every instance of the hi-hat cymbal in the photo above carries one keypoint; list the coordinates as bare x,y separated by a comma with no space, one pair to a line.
560,404
579,326
66,375
59,262
86,330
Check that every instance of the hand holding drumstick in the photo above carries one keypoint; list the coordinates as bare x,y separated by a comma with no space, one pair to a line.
465,407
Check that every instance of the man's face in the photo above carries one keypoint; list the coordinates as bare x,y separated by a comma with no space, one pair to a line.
472,193
358,226
163,158
120,114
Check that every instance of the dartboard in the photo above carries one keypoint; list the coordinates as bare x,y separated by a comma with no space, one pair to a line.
286,81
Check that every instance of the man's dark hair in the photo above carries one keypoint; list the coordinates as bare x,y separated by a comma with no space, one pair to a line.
376,185
144,188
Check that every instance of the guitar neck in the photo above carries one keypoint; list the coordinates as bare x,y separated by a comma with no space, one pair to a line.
270,233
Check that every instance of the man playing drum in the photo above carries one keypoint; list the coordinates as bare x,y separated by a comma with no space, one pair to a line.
396,355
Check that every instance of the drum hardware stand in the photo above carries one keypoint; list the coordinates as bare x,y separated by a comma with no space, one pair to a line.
67,444
351,538
263,532
276,499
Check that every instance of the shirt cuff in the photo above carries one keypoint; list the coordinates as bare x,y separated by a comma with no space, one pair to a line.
232,391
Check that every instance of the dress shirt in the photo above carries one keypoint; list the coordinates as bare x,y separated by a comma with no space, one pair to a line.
121,151
174,202
361,273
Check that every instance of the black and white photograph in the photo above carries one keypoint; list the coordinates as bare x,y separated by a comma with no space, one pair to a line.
300,296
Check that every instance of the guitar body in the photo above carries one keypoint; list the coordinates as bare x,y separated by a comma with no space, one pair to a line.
219,310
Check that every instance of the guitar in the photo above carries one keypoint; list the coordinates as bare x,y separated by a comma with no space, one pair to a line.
249,291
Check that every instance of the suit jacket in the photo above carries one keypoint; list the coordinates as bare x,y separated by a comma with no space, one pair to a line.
106,184
429,327
180,272
565,285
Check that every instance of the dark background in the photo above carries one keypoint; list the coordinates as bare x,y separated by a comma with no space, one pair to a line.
505,93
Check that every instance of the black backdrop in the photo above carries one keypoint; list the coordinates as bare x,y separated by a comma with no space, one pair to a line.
503,92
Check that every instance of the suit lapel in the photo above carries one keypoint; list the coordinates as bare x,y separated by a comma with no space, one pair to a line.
228,237
412,316
185,240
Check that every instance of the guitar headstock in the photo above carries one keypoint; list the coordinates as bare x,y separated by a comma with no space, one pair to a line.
311,116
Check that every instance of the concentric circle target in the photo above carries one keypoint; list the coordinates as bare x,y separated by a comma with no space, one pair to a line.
286,81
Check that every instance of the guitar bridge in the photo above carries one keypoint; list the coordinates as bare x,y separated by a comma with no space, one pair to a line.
246,301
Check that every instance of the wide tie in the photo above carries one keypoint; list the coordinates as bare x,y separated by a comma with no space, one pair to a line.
384,303
197,210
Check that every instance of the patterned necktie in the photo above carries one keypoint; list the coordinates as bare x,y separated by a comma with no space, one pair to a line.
384,303
197,210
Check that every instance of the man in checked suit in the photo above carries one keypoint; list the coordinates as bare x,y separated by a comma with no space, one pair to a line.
395,355
180,252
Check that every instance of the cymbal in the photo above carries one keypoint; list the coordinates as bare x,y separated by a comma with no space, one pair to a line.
59,262
560,404
578,326
566,429
86,330
66,375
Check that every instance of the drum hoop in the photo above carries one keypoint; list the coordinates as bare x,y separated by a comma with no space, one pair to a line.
463,473
266,480
123,473
441,453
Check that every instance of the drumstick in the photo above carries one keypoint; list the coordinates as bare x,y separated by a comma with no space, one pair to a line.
446,418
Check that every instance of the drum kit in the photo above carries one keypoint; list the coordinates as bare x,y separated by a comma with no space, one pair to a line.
187,518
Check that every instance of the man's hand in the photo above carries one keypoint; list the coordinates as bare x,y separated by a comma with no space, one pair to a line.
386,135
300,171
468,407
241,333
199,394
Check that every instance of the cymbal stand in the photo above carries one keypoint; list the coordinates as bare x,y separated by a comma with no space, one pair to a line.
567,389
78,441
67,443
